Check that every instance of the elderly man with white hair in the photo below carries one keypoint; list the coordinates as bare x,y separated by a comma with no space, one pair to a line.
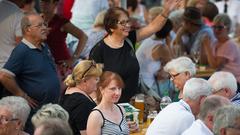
227,121
225,84
203,125
179,116
180,69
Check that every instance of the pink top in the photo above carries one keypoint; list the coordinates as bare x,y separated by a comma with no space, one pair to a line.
231,52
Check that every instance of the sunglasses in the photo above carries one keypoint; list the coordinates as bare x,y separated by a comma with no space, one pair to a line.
124,22
92,64
218,27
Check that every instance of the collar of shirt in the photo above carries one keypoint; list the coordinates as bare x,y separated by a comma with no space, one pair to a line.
30,45
205,129
185,105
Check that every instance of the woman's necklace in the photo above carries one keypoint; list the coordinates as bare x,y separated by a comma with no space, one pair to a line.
115,44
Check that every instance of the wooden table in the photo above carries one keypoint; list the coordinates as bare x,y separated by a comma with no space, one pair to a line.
142,129
204,73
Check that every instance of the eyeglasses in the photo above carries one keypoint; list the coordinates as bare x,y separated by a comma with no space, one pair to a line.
93,64
124,22
218,27
172,77
5,120
40,25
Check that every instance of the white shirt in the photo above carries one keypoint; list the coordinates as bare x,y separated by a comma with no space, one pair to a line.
172,120
198,128
10,28
148,66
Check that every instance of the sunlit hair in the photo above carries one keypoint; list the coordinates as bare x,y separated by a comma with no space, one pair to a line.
226,117
222,79
155,11
49,111
196,87
18,106
224,19
106,79
211,104
99,19
83,70
180,65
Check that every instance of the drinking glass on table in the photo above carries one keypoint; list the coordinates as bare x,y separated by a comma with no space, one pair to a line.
139,104
165,101
196,56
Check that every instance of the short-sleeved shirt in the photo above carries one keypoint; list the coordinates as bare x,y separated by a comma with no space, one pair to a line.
35,72
79,107
56,39
122,61
172,120
231,52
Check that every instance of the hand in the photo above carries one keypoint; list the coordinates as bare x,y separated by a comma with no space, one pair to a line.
171,5
32,102
133,126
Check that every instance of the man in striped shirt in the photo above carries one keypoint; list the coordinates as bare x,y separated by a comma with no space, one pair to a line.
225,84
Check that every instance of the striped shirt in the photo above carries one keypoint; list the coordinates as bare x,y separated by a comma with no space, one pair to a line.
111,128
236,99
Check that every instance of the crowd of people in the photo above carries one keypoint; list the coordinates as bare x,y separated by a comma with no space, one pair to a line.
66,64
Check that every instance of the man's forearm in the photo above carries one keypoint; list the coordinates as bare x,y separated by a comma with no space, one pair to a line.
11,85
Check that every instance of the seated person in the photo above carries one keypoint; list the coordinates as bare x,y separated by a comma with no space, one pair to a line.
179,116
49,111
227,121
224,54
14,112
53,127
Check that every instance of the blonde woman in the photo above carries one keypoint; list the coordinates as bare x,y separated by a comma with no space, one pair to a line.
81,83
108,118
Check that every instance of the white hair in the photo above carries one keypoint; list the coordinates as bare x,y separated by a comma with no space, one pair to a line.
18,106
222,79
181,64
196,87
49,111
225,117
176,17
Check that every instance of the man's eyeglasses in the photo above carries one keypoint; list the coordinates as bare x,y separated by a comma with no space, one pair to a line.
218,27
93,64
124,22
40,25
5,120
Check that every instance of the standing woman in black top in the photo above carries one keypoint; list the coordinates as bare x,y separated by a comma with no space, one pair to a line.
76,101
116,50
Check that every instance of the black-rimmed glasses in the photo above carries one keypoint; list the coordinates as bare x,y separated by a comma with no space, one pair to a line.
218,27
172,77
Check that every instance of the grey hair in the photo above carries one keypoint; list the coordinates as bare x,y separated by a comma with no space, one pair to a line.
211,104
49,111
18,106
181,64
225,117
222,79
223,18
55,126
25,22
196,87
176,17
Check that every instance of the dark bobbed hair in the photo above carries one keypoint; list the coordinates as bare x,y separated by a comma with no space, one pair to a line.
210,11
111,18
164,32
132,4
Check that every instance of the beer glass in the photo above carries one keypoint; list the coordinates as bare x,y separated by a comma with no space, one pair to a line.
139,104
